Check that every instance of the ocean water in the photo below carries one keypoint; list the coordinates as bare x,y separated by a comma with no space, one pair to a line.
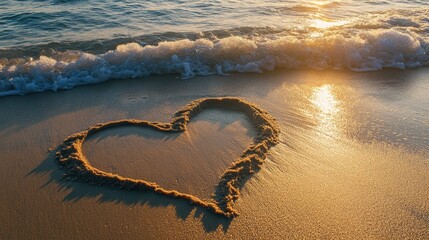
59,44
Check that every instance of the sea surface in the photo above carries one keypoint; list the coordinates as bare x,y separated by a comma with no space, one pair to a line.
47,45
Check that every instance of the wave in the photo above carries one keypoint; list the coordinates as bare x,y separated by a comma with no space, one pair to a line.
395,39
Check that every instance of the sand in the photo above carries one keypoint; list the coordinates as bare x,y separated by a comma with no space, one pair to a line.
72,158
352,160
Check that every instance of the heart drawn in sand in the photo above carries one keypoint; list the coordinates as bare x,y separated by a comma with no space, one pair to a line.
70,154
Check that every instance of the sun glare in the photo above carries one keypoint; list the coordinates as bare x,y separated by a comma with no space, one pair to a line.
322,24
321,3
327,105
324,99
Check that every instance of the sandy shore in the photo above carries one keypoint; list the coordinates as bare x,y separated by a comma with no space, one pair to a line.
352,162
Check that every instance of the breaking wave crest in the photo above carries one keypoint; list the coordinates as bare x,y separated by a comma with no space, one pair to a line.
389,40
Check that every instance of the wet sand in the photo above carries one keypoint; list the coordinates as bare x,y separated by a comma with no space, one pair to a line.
352,162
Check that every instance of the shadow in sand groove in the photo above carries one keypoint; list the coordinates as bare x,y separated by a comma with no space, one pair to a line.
77,191
71,158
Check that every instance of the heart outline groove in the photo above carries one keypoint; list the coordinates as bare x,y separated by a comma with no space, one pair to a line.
77,168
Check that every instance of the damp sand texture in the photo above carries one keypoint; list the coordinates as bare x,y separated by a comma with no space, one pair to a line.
71,157
351,160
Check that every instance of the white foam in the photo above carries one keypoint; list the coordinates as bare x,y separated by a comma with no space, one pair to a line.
358,46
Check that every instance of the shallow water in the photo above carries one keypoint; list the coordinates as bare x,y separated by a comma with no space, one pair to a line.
51,45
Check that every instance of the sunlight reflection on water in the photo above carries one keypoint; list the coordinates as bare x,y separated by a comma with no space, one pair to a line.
328,109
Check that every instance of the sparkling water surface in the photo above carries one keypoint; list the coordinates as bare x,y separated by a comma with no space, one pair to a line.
50,45
38,22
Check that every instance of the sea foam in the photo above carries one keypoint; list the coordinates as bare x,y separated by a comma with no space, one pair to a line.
389,40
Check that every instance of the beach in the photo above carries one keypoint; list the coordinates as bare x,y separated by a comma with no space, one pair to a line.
352,160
